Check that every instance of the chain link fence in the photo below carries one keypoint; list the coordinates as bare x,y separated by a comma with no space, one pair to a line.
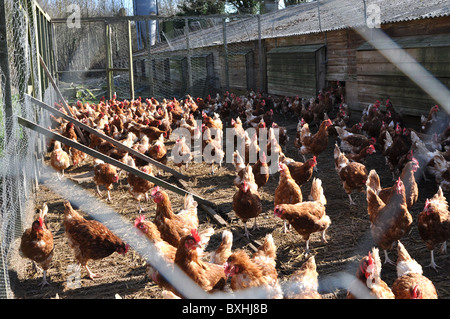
197,56
23,27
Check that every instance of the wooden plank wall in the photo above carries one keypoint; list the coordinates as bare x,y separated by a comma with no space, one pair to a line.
379,79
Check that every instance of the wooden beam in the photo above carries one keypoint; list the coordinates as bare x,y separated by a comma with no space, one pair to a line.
107,138
65,105
107,159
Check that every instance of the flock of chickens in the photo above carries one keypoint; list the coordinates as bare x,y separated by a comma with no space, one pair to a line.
147,125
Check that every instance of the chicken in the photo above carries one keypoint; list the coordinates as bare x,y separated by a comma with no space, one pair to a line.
174,226
304,283
235,134
307,217
105,174
139,187
408,179
90,239
427,122
221,254
361,156
247,204
395,148
297,140
212,149
433,223
181,153
246,174
210,277
316,143
157,150
410,282
261,171
301,172
395,116
283,136
441,172
353,143
151,232
36,244
212,122
353,175
238,161
287,191
168,252
391,221
142,145
59,159
368,283
257,271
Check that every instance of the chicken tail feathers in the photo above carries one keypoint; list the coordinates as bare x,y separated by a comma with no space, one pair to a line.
268,248
221,254
316,193
373,181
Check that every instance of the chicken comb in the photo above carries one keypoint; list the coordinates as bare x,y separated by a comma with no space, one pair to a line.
427,203
40,221
263,158
195,235
155,190
415,293
139,220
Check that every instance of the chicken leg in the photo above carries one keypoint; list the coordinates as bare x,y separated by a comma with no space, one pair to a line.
44,280
387,260
90,273
351,200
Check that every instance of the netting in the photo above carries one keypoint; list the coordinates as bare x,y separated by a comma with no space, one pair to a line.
18,146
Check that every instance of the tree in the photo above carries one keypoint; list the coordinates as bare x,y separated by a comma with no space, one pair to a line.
245,6
201,7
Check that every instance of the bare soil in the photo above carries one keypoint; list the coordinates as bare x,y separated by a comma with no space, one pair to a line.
348,236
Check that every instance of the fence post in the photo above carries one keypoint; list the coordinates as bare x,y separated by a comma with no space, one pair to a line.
109,63
149,58
189,56
130,61
4,66
260,57
225,48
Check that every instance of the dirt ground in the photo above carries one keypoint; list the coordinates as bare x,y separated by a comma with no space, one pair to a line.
348,236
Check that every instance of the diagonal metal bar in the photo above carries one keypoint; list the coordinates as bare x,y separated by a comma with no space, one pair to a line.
66,106
107,138
107,159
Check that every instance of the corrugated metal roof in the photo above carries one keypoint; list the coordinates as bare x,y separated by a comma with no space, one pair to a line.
304,19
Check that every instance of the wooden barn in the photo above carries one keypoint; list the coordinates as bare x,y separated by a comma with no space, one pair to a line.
304,48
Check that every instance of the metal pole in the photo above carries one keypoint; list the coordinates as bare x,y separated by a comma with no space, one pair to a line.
109,75
130,61
4,66
260,57
225,48
149,59
189,62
